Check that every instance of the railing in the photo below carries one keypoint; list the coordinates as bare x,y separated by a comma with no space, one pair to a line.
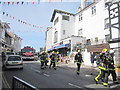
17,83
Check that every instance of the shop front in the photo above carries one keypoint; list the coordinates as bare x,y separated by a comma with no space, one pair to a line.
63,49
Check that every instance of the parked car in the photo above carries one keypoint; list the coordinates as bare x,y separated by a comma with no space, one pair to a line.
13,61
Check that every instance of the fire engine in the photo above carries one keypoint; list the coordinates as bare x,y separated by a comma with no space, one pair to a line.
28,53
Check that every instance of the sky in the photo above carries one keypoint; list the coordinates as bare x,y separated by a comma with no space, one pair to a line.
35,14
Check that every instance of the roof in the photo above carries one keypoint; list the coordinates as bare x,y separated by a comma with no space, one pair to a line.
59,11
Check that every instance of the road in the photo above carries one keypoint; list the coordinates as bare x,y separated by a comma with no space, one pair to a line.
63,77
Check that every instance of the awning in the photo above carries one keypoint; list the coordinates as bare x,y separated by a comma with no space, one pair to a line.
50,49
97,48
60,46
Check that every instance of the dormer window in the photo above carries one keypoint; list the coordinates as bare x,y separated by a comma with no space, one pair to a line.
65,17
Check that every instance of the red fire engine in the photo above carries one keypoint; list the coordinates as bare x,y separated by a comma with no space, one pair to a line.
28,52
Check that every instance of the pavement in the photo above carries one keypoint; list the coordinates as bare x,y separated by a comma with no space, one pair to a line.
89,70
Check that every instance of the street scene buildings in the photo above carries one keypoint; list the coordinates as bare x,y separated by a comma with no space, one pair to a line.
8,40
88,30
71,47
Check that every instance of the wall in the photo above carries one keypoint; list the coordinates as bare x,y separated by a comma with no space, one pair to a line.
68,26
92,25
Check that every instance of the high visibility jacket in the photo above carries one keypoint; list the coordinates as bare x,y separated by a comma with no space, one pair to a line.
78,58
43,56
53,57
104,61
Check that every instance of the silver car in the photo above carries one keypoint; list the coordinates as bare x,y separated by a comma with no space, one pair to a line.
13,61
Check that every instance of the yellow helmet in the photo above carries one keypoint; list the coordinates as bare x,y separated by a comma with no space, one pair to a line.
79,50
53,51
105,49
57,52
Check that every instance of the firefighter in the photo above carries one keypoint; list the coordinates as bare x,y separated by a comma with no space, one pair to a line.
44,59
111,68
103,66
57,57
78,60
53,58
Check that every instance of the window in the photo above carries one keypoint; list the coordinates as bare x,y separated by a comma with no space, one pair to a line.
106,23
65,17
88,2
80,17
63,32
56,21
96,39
107,37
88,42
55,36
93,10
80,32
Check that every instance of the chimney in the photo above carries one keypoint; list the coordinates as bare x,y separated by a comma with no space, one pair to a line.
79,9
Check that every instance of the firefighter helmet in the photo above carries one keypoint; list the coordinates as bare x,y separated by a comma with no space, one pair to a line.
104,50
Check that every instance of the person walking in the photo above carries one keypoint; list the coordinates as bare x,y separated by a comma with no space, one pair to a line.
44,59
53,58
78,60
92,58
103,66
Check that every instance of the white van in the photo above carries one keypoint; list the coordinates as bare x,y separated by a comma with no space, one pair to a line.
13,61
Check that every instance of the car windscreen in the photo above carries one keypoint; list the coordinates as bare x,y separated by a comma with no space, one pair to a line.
14,58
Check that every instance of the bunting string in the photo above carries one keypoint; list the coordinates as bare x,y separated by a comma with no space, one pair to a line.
25,2
26,23
21,21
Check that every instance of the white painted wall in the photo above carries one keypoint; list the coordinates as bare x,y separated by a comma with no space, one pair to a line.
92,25
68,26
57,27
49,39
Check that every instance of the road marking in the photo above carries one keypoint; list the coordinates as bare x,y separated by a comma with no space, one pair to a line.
5,82
36,70
74,85
87,75
46,75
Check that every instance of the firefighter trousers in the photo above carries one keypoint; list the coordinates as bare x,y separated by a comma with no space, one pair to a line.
52,63
113,73
103,75
78,67
42,64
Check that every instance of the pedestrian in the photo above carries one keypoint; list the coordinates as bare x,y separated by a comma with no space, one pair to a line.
53,61
103,66
78,60
92,58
